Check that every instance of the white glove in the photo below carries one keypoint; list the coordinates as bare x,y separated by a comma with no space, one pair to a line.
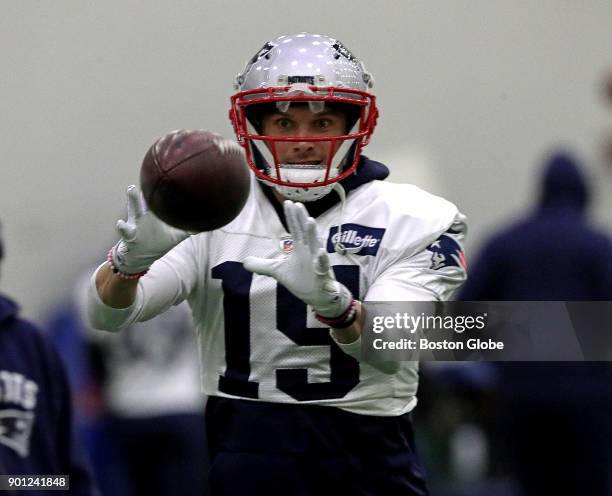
144,238
306,271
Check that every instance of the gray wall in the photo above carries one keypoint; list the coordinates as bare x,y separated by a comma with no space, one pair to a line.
472,96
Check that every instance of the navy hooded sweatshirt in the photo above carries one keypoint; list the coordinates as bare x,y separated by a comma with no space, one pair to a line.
35,408
551,255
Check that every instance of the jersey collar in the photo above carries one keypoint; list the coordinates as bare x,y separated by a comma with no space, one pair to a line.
367,170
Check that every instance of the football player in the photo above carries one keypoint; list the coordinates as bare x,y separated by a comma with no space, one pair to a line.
276,294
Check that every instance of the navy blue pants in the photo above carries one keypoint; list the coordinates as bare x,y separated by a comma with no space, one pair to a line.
163,455
297,450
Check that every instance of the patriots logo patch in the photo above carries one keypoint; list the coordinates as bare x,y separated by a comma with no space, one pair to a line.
363,240
15,430
447,252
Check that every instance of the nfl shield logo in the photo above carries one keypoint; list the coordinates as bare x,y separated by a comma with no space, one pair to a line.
286,244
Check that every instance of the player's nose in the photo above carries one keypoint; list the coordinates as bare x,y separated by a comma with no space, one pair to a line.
302,146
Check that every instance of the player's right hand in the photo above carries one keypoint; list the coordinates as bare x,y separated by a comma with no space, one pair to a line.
144,238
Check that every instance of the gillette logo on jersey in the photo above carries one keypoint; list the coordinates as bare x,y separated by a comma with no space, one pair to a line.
356,237
447,252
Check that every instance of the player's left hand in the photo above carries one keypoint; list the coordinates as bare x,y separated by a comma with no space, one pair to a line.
306,271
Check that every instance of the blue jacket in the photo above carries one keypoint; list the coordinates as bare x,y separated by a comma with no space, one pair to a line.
552,255
35,407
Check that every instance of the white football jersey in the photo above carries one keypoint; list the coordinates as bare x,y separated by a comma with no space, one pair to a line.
258,341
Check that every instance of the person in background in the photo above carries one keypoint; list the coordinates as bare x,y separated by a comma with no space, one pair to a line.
557,416
36,425
147,428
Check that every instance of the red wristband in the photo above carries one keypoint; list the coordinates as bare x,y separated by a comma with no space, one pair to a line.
344,320
123,275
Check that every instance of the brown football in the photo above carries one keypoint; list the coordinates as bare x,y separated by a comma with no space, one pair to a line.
195,180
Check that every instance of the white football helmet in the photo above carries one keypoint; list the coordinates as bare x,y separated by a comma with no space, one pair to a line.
308,68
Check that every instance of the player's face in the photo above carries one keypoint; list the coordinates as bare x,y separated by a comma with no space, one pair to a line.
299,120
